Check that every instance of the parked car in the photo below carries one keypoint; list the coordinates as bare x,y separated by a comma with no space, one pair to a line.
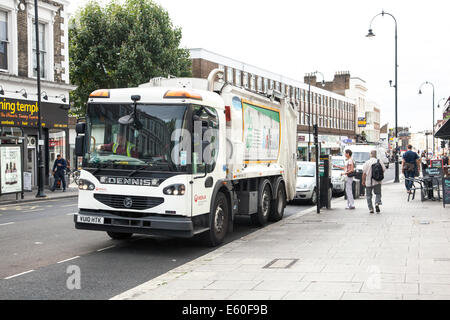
306,182
337,179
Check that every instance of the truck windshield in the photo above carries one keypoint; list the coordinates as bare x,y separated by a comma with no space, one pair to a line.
144,144
361,157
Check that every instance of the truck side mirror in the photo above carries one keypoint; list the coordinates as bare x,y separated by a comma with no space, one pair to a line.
79,146
80,128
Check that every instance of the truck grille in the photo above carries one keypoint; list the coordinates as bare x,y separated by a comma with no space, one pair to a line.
137,203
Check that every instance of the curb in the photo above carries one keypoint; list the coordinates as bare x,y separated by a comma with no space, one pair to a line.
6,202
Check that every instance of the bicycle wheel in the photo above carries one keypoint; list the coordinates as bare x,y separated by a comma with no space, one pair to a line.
76,177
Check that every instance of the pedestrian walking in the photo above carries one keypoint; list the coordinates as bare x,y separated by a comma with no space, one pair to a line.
410,167
373,175
349,173
59,170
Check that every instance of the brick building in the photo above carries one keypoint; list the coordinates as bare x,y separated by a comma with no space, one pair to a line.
18,85
334,113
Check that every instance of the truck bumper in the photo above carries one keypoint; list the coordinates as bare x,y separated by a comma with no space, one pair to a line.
173,226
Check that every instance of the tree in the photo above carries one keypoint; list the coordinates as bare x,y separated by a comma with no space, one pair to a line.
119,46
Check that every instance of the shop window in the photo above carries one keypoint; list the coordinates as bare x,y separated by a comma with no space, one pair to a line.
3,40
42,50
56,145
10,132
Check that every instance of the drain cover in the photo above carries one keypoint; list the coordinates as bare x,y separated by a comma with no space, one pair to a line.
442,259
280,264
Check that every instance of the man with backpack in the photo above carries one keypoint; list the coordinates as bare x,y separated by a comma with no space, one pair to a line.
373,175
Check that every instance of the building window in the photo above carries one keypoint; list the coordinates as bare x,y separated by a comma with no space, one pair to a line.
279,86
42,52
230,75
237,74
266,83
245,80
259,84
3,40
252,83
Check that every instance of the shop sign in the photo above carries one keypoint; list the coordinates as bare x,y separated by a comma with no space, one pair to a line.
24,113
301,138
362,122
11,169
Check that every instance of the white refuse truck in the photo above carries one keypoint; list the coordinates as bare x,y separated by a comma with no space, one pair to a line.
184,156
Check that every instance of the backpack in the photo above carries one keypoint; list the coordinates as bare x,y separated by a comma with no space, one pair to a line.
377,171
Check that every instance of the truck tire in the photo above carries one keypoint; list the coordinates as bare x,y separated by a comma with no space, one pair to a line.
278,204
218,222
265,198
119,235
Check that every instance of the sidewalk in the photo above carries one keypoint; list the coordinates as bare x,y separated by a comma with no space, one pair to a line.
403,253
71,192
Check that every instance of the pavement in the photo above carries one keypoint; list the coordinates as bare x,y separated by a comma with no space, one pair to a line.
30,196
401,253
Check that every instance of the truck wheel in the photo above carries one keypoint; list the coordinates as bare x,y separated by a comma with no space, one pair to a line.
278,204
119,235
218,223
262,216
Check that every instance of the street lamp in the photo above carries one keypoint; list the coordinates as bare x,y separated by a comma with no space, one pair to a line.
40,192
370,34
309,108
420,92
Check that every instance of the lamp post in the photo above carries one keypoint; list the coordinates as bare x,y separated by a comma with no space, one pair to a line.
40,192
309,108
420,92
369,35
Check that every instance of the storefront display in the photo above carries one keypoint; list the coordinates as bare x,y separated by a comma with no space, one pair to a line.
11,168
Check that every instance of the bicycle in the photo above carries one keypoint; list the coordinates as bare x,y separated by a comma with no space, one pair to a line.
74,174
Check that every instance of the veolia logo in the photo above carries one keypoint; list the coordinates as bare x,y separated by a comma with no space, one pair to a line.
199,198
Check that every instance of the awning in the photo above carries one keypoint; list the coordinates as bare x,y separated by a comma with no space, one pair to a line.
444,131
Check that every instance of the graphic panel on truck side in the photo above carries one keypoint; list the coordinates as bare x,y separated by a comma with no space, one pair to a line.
261,133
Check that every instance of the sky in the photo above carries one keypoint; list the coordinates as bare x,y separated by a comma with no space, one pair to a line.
292,37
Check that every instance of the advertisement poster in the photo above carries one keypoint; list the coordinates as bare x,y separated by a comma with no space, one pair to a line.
261,133
11,169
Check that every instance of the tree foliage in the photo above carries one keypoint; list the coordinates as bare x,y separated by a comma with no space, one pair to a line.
118,46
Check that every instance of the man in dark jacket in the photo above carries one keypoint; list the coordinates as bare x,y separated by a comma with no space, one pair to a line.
410,164
59,169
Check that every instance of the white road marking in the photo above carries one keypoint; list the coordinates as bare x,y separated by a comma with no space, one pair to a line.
33,210
71,214
7,223
69,205
19,274
68,259
105,248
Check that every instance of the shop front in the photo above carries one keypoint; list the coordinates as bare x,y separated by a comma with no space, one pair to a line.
19,118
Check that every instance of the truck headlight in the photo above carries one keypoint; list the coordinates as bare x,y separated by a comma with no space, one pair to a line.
175,190
86,185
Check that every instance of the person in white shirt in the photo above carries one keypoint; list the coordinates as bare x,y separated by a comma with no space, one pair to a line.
371,184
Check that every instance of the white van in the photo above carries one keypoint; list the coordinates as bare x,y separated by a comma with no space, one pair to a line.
361,153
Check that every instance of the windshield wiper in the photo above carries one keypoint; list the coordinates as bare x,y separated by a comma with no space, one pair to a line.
137,170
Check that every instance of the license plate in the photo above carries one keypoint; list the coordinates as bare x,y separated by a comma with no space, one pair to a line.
90,219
